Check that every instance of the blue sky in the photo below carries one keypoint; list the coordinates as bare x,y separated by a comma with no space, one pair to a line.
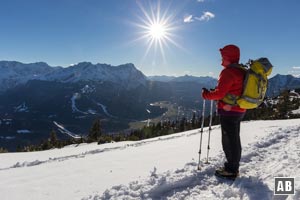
64,32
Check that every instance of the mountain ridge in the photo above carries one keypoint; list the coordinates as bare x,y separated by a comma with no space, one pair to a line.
14,73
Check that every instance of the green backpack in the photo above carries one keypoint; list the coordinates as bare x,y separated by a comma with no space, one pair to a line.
254,86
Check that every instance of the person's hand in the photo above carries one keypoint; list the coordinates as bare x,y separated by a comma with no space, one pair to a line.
204,89
204,93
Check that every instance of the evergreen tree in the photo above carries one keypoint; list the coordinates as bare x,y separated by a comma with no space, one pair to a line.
46,145
194,120
159,126
283,105
19,148
53,139
95,131
183,124
3,150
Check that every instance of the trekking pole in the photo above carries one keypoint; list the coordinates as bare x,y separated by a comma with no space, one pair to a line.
209,129
201,132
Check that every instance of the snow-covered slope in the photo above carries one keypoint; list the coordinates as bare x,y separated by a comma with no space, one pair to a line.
158,168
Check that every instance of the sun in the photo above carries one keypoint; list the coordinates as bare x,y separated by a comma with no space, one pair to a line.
157,29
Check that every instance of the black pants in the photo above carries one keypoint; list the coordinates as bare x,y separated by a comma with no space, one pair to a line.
231,142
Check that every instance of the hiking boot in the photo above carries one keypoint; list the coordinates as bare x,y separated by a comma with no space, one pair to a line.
223,173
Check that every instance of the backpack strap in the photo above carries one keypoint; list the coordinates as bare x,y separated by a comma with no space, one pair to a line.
231,99
239,66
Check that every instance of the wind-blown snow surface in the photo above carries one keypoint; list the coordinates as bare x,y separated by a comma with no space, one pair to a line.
158,168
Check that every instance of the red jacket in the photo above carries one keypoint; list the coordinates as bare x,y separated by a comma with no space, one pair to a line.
230,81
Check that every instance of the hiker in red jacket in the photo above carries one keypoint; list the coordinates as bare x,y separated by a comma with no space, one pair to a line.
230,83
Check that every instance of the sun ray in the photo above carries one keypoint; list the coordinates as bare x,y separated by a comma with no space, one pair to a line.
148,49
145,12
162,50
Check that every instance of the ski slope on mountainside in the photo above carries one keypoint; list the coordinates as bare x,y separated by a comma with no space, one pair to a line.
157,168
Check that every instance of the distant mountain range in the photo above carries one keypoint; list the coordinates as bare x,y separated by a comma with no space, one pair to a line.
282,82
186,78
36,98
15,73
276,84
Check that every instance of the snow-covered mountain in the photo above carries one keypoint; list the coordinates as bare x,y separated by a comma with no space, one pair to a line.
126,74
282,82
157,168
14,73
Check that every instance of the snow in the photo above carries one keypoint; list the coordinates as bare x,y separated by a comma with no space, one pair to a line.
88,89
23,131
6,121
91,111
62,129
157,168
7,137
296,111
73,102
77,96
104,108
295,93
21,108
